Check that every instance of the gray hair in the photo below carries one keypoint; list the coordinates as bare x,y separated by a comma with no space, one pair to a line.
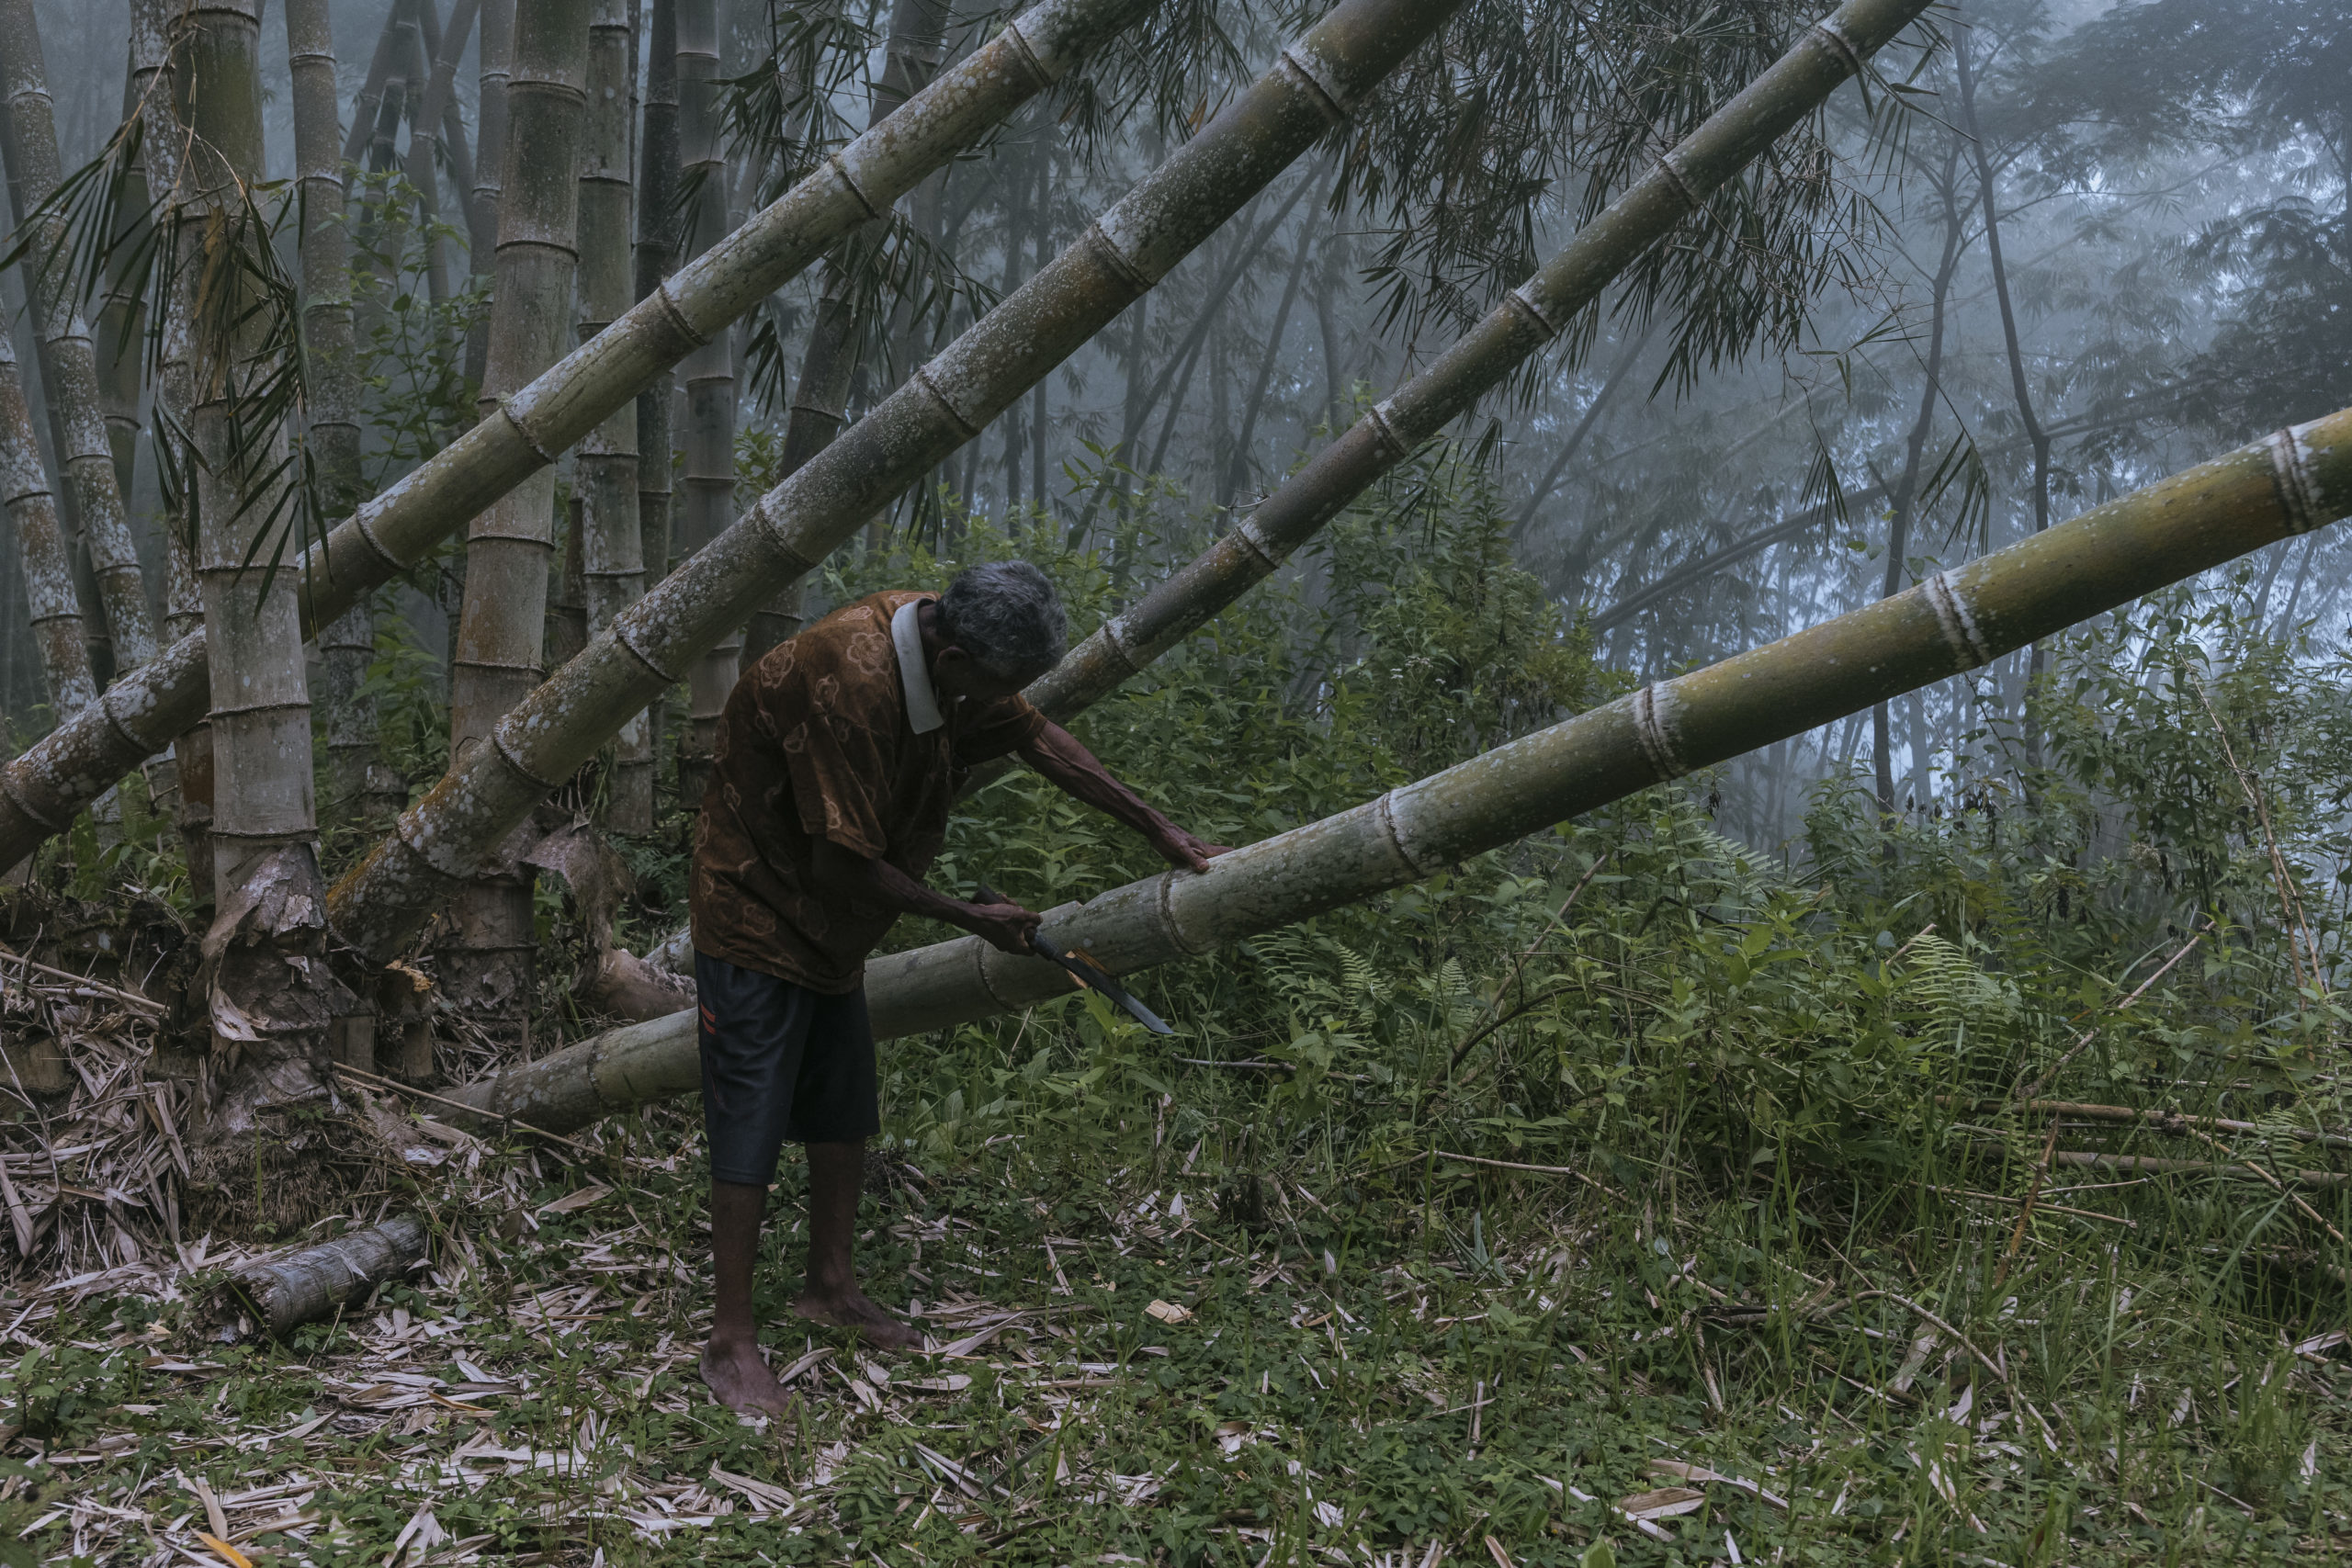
1007,616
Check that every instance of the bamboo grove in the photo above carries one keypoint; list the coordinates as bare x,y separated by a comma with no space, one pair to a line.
633,196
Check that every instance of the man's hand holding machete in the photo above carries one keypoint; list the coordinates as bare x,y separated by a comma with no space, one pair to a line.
836,762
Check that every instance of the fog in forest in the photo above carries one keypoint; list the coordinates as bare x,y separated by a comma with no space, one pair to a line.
1647,862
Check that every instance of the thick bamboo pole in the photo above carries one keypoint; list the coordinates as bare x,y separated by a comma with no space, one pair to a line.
611,562
348,645
1528,320
41,790
41,552
162,144
946,403
707,507
70,360
656,257
122,310
2289,484
487,961
493,66
263,798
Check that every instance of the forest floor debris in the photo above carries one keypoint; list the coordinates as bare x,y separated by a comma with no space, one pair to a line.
1117,1374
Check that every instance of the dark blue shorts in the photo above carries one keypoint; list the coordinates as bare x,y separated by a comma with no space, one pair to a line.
780,1061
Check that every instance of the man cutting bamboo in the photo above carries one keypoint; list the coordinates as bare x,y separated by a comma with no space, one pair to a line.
836,760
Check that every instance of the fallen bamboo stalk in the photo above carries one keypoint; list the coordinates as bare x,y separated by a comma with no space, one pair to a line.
141,714
2289,484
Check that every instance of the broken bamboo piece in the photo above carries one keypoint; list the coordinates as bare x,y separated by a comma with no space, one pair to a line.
302,1287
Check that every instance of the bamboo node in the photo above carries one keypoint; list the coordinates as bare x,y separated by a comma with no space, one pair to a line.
1526,304
963,427
1134,276
1253,537
1679,178
1957,620
1041,74
1653,731
1390,436
1117,643
1172,929
980,951
507,413
2298,485
510,753
849,181
1326,93
1393,825
1840,45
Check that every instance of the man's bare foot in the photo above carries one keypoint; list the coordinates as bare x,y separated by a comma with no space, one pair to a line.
849,1308
742,1382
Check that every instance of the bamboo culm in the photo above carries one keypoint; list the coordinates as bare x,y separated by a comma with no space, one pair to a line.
41,790
604,482
707,506
2290,483
42,551
68,352
356,778
943,405
487,959
1528,317
118,721
655,258
263,796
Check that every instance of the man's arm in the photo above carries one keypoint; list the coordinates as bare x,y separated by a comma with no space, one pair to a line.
1057,754
877,884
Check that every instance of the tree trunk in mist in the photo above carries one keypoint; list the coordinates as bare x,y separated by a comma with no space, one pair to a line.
941,408
69,362
1584,427
605,474
270,991
42,551
358,784
1952,622
837,333
1915,453
709,504
427,148
41,790
487,958
2035,435
123,313
1530,317
1236,473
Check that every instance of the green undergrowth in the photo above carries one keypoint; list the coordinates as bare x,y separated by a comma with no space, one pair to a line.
1769,1227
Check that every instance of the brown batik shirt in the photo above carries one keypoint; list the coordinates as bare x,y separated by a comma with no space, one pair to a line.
836,733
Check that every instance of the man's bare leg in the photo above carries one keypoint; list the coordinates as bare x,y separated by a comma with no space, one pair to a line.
836,1176
730,1362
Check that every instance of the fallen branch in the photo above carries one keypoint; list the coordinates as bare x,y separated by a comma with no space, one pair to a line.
2029,1091
2090,1160
2162,1120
